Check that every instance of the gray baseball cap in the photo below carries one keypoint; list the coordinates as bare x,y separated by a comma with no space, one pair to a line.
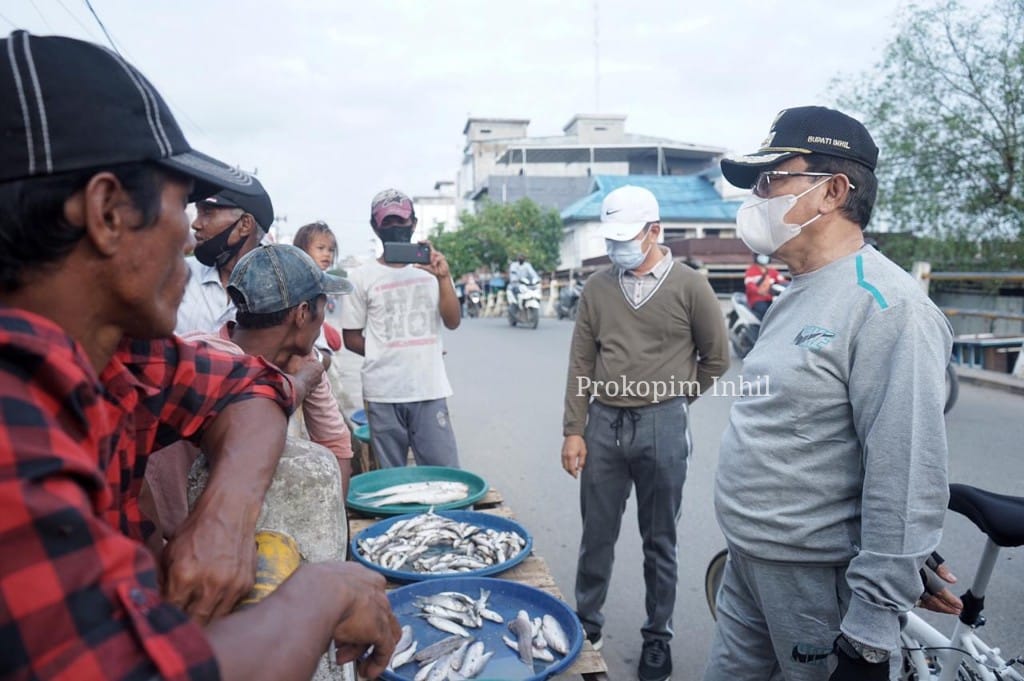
276,277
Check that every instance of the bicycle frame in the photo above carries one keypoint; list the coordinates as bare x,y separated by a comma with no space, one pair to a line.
919,638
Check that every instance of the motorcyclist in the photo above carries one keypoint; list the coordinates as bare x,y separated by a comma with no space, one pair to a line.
759,279
519,270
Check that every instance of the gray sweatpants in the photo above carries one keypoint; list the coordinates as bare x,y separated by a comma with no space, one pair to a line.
424,426
645,448
778,621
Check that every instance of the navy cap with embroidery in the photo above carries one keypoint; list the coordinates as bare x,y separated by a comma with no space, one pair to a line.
257,205
277,277
67,105
804,130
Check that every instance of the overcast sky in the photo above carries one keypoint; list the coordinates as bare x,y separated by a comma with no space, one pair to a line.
332,100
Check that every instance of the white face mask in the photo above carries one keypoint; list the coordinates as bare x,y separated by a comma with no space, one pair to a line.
627,255
761,222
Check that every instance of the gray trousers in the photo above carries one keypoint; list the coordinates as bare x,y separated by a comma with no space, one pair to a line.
778,621
424,426
645,448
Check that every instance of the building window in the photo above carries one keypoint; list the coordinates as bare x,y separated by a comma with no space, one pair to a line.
485,131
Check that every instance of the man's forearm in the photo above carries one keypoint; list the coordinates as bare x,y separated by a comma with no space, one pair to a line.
354,341
243,445
448,304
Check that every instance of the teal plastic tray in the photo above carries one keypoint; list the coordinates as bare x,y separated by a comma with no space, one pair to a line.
386,477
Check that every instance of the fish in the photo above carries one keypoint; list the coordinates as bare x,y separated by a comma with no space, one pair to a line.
439,649
441,669
555,635
435,496
475,660
446,626
423,485
425,670
434,544
403,657
523,630
459,656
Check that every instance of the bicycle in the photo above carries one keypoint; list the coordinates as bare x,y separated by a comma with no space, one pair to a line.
928,655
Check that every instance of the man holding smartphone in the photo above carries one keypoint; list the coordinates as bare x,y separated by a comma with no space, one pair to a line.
393,319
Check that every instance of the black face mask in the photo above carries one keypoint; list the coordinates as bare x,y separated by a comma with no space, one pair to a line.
395,233
215,251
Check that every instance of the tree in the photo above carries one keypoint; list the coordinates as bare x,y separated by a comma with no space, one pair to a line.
946,107
498,233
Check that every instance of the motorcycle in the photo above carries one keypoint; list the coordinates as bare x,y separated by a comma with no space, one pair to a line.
569,300
524,302
474,301
743,324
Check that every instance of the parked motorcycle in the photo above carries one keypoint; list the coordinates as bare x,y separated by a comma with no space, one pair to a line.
743,324
569,299
474,301
524,302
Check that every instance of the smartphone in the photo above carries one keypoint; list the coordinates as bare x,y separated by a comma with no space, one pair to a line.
400,252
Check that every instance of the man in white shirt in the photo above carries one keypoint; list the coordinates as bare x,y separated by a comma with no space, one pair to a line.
393,318
227,226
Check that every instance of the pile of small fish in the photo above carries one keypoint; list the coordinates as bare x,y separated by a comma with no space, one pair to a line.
460,656
451,659
430,543
427,492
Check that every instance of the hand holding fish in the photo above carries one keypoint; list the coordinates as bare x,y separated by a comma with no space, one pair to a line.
366,620
574,454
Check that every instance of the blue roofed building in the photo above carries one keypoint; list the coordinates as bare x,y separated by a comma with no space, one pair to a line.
691,207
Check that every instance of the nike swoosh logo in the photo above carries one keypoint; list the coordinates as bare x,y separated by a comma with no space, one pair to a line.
613,212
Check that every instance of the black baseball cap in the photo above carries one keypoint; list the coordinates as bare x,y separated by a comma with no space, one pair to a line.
257,205
67,105
804,130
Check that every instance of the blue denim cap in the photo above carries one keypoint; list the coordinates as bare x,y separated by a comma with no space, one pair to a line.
280,276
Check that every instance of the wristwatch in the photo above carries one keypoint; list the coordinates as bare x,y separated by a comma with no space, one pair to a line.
857,649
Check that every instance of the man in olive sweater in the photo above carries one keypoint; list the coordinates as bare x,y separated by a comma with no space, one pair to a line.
649,338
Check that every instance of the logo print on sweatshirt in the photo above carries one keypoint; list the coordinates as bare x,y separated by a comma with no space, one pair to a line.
813,337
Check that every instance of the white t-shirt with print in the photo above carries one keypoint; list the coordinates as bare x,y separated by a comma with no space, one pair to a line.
398,310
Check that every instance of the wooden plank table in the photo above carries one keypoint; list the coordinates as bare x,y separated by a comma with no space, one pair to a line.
534,571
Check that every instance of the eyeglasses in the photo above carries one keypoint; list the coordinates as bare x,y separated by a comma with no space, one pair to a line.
763,184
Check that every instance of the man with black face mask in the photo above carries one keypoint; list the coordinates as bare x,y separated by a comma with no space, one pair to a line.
227,226
393,318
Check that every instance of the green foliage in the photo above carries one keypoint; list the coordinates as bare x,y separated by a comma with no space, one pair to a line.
946,107
953,254
498,233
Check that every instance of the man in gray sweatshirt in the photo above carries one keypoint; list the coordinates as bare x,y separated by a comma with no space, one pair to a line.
831,488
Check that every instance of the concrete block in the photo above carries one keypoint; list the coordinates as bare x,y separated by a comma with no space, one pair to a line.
304,501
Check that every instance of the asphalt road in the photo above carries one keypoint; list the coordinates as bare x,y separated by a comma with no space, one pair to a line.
507,412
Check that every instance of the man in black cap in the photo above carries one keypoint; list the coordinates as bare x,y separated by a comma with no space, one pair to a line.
831,482
94,177
228,225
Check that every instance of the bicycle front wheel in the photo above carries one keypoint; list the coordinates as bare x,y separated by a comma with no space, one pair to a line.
713,580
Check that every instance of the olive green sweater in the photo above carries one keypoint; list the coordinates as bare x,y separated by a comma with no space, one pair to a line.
672,344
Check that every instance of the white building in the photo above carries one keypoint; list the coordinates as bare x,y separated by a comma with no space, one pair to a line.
435,210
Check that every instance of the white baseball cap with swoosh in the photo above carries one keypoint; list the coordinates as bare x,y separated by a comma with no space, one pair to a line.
625,211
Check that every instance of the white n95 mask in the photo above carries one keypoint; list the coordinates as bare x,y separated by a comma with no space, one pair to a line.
761,223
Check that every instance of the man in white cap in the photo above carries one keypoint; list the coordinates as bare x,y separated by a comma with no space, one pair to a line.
649,338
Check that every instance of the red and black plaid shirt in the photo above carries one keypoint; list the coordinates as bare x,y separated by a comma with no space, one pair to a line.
79,599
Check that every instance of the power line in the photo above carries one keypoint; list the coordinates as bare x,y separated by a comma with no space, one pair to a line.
9,22
77,20
102,26
45,22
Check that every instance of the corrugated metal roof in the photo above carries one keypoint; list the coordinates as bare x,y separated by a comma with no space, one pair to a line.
681,198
